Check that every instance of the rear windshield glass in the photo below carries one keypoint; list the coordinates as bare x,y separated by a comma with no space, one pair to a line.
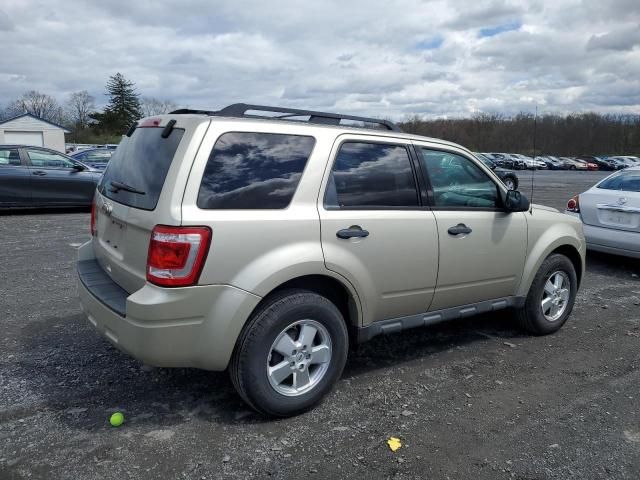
137,170
625,181
254,171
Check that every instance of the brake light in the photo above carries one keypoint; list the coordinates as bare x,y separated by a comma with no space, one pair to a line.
177,254
150,122
94,229
573,205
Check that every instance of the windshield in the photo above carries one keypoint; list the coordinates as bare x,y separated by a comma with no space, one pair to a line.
136,172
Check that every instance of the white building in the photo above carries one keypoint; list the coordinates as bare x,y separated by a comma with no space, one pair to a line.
27,129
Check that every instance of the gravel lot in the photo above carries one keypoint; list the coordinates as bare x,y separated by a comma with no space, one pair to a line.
470,399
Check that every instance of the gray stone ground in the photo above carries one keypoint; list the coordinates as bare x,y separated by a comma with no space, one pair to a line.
471,399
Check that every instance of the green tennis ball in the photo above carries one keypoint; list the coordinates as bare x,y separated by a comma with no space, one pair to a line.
116,419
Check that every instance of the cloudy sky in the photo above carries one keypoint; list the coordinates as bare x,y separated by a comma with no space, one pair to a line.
389,58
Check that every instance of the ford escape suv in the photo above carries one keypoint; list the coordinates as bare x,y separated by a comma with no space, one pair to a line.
265,240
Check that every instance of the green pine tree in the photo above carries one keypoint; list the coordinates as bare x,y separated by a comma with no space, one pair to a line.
124,106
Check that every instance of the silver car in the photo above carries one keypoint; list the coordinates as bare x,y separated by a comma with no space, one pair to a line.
610,212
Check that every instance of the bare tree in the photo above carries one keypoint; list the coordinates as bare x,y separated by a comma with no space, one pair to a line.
38,104
154,106
78,108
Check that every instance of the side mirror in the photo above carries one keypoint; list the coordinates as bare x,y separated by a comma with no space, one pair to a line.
514,201
79,168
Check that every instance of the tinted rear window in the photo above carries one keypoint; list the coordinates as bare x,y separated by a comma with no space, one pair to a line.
625,181
142,162
254,171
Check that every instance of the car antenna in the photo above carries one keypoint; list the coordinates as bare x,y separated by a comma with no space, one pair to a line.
533,174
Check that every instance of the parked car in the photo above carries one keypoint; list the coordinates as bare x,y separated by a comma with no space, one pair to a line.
530,163
40,177
505,160
508,177
265,245
97,158
573,164
635,161
603,163
591,166
624,161
610,212
554,163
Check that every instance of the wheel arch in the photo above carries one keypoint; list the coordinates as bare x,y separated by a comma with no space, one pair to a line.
565,245
342,296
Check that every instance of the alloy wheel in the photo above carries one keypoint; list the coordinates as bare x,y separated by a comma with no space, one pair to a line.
555,295
299,358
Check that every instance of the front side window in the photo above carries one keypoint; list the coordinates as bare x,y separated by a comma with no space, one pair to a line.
9,157
40,158
458,182
253,171
374,175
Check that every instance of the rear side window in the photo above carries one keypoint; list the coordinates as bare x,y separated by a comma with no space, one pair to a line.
9,157
371,175
137,170
253,170
628,181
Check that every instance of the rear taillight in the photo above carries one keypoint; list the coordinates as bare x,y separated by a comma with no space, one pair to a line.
93,218
573,205
177,254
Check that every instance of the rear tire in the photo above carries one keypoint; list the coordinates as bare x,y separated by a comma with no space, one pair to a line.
551,297
290,354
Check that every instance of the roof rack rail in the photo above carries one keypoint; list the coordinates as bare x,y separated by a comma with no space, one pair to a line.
283,113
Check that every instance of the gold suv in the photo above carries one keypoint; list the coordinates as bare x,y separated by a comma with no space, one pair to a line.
265,239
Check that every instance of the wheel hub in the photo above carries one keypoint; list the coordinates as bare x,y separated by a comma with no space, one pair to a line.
555,296
299,358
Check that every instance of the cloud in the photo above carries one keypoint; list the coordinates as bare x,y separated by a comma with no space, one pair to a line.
388,59
5,22
619,39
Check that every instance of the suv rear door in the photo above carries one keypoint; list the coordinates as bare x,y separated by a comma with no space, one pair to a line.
142,187
375,231
482,247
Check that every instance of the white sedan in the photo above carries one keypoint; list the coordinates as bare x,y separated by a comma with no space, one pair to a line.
610,213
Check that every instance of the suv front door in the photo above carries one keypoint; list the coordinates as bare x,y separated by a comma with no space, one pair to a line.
375,231
482,247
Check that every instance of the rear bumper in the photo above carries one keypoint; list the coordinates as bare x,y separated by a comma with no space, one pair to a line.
608,240
167,327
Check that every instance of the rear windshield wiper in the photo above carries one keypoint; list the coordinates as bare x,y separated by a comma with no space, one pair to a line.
115,187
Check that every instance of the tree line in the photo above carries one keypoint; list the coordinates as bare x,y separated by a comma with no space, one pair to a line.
79,114
571,135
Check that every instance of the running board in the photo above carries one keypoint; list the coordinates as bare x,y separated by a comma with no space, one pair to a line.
394,325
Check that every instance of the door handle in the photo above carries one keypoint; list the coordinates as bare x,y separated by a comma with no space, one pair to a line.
351,232
40,173
459,229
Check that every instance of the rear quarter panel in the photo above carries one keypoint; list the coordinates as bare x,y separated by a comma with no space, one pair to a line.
258,250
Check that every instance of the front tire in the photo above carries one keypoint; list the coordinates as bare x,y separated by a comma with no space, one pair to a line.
290,354
551,297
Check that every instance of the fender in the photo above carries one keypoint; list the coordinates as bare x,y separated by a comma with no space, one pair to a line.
541,244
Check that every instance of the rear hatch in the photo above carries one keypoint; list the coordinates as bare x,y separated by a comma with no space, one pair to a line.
614,202
142,187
